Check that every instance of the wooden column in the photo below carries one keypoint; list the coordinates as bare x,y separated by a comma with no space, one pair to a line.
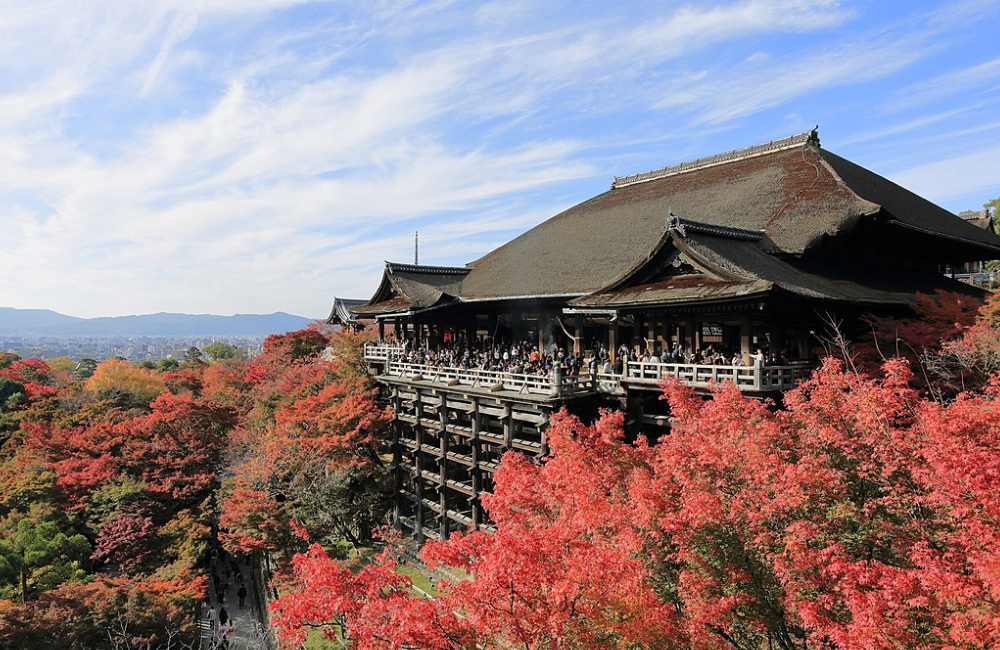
613,340
381,330
776,333
397,330
508,428
418,463
578,334
443,448
745,339
397,457
491,327
477,472
689,337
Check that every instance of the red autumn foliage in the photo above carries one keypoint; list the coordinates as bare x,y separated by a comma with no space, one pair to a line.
125,540
106,612
311,422
175,449
862,515
938,320
374,605
34,374
252,520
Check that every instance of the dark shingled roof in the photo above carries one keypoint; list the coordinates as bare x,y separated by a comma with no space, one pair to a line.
340,312
735,267
406,287
796,194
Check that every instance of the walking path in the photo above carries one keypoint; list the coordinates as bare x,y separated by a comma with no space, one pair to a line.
248,632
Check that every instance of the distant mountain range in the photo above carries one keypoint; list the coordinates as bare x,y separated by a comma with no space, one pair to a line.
44,322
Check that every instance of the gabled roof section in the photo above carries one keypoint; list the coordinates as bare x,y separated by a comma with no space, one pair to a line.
733,266
409,287
340,313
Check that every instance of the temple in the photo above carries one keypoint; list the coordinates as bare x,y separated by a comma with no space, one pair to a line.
726,268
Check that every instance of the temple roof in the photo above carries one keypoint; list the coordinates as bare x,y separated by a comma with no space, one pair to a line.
795,193
407,287
756,211
340,313
724,266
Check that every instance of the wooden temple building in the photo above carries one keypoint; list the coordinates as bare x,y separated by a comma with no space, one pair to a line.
753,249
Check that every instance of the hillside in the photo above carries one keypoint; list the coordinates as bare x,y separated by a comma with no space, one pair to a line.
44,322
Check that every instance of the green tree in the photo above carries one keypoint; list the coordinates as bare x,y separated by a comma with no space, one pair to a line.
167,363
11,393
35,554
993,208
193,357
85,369
219,350
7,359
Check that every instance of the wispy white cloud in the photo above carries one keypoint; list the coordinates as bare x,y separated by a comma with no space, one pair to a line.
956,176
244,156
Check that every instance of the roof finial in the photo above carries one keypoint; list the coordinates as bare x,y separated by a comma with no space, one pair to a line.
814,136
416,248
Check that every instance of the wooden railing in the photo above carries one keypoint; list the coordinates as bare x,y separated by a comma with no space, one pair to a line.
382,351
553,384
746,378
557,384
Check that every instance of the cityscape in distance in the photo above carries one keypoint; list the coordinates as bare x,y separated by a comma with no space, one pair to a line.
48,334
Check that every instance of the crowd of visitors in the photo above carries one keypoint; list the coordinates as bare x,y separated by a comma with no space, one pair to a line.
516,358
525,358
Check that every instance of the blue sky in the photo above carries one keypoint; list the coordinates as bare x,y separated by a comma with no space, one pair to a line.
250,156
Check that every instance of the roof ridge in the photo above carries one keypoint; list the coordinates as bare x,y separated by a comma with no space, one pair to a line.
683,226
810,137
392,267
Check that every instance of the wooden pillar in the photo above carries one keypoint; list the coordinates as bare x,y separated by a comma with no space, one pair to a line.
397,330
443,448
651,335
689,337
418,462
613,340
508,428
381,330
397,457
477,472
542,322
745,339
578,335
776,334
491,327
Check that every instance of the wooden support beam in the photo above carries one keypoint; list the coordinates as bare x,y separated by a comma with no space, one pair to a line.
477,470
443,485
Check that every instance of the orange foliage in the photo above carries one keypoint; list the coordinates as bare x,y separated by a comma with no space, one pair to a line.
116,376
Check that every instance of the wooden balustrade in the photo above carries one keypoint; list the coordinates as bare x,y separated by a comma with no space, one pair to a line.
557,384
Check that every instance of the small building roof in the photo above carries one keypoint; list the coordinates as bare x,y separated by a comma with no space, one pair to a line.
340,313
980,219
407,287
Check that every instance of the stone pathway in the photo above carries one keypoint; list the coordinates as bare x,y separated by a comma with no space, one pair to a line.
248,632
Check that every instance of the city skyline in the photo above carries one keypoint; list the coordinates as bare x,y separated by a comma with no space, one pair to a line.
253,157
